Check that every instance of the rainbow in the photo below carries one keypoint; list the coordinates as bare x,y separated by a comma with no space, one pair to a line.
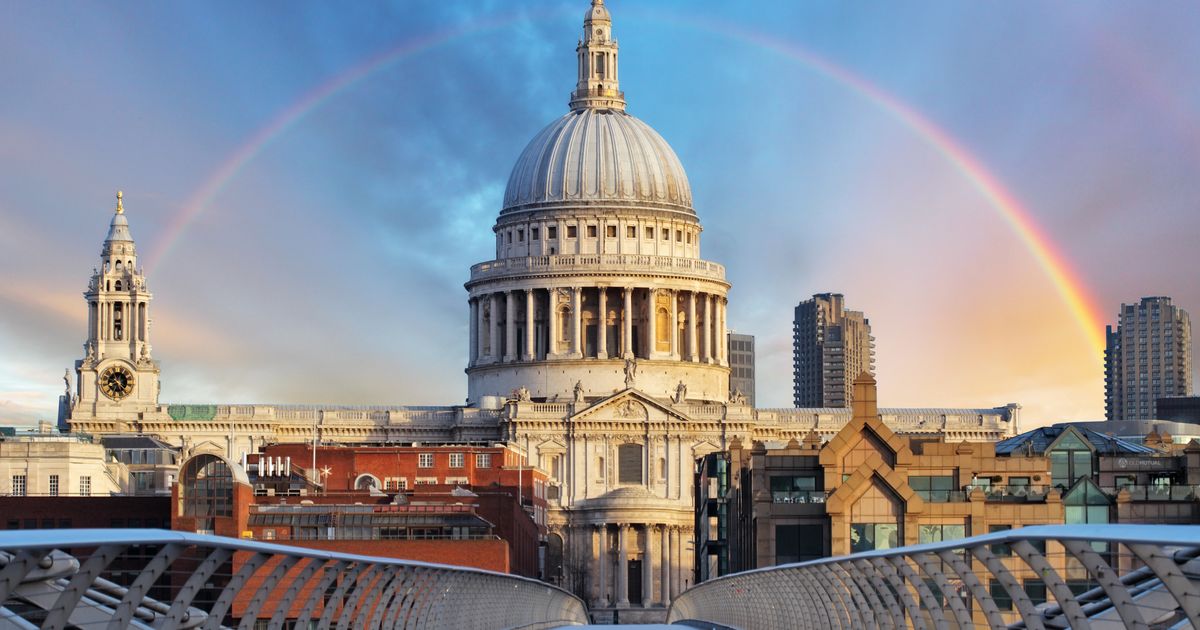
199,200
1083,306
1070,286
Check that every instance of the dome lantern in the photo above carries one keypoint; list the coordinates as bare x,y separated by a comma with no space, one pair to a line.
598,86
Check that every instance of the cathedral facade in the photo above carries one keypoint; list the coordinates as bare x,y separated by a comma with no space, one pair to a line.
598,347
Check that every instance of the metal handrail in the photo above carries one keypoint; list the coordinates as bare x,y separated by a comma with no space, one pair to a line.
249,581
962,582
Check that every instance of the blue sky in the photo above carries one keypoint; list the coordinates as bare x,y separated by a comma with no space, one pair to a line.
330,267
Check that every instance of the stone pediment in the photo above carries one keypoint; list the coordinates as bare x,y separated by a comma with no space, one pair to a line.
629,406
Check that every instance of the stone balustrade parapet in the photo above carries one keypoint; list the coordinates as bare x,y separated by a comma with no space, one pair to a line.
566,263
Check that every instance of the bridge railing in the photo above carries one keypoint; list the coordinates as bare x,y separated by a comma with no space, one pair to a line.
163,580
1078,576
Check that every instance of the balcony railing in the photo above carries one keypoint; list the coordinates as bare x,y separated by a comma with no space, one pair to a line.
1011,493
1078,576
160,579
1158,492
798,496
567,263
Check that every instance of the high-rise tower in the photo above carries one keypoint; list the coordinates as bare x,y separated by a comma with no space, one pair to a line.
831,347
117,378
1149,356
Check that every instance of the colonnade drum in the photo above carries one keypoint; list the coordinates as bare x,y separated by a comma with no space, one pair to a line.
606,323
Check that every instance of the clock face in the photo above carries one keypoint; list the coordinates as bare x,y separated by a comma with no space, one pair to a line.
116,382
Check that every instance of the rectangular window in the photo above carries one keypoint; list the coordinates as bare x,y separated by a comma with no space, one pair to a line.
425,460
143,481
629,463
53,485
572,231
1036,590
798,543
1000,549
678,236
940,533
591,231
1000,595
456,460
520,236
610,231
85,486
533,234
631,231
794,489
689,238
18,485
510,237
649,233
483,460
868,536
937,489
666,234
552,232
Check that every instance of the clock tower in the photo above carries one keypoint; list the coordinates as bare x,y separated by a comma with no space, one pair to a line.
117,379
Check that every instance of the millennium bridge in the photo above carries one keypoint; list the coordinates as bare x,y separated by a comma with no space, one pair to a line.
1046,577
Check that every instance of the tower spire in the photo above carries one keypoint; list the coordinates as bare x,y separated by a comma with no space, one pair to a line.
598,86
120,208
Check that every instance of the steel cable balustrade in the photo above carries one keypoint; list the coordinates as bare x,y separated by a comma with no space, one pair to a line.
1053,576
163,580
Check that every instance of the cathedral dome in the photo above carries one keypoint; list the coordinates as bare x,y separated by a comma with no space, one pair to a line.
598,156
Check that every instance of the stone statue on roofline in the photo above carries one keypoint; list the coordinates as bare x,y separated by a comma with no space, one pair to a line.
680,392
578,391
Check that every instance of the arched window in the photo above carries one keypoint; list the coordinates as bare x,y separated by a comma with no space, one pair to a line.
120,266
206,485
554,557
629,463
118,285
564,324
118,321
366,482
662,325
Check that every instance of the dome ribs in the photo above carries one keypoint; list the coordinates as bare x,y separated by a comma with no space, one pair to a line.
598,156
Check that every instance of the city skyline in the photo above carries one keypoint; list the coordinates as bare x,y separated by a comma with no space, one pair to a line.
392,151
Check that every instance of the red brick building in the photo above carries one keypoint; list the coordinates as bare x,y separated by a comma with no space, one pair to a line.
468,505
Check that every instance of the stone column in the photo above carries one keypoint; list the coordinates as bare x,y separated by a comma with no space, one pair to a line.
510,326
481,350
665,566
706,344
473,350
552,322
675,351
495,341
647,568
530,327
577,323
622,598
675,555
627,324
599,542
651,324
691,328
722,336
602,333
